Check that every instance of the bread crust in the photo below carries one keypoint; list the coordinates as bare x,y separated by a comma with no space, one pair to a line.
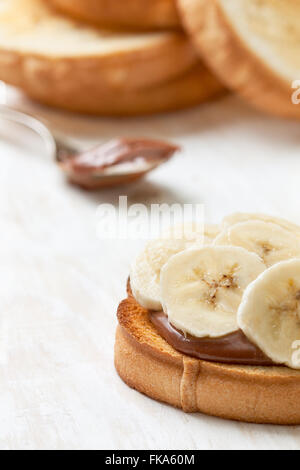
233,61
71,92
138,14
147,363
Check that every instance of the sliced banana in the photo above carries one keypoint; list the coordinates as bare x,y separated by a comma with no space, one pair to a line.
237,217
201,288
269,241
145,271
269,313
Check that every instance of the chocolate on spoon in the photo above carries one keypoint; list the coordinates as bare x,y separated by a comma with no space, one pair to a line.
116,162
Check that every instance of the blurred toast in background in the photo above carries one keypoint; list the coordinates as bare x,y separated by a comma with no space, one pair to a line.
64,63
252,46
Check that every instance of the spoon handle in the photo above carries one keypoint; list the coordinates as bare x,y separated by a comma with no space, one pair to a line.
57,147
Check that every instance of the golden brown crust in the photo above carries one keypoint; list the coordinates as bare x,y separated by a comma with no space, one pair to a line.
138,14
147,363
72,94
233,61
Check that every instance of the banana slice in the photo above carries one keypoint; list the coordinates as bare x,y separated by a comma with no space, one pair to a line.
269,313
237,217
269,241
202,288
145,271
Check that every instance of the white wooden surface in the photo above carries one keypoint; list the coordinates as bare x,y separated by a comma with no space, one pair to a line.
60,285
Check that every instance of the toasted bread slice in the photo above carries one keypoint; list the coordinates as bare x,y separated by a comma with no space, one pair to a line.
252,45
147,363
40,48
133,14
194,87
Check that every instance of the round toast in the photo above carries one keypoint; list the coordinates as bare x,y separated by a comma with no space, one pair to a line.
41,49
252,46
147,363
133,14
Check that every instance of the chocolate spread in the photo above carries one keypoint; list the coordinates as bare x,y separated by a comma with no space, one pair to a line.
116,152
234,348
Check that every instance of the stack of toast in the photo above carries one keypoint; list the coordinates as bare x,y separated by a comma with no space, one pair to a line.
132,57
102,56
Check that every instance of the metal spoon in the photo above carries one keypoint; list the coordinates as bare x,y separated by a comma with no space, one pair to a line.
33,124
62,152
